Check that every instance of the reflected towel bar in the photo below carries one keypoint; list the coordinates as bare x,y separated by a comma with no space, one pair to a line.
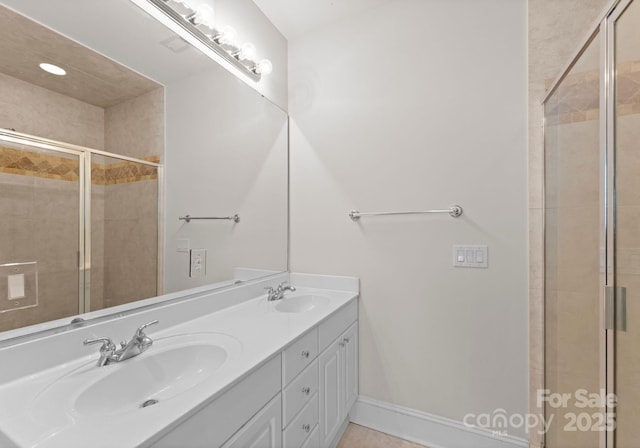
454,211
188,218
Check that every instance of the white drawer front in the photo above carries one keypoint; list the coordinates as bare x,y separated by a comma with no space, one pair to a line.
314,439
301,426
298,355
299,392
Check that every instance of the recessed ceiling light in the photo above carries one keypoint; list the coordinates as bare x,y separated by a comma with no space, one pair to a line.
53,69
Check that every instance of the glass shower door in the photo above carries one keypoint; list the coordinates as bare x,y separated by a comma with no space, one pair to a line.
573,241
40,234
624,37
124,231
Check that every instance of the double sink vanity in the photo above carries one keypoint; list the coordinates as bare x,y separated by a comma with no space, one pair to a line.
225,368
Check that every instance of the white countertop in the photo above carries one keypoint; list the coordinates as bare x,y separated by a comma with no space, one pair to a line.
259,329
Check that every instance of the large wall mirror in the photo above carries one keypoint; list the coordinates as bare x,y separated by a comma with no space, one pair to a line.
98,166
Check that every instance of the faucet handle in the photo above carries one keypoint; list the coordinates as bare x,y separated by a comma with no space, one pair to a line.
140,330
284,286
107,344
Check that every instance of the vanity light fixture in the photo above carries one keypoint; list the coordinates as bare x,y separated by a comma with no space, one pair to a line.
246,51
53,69
226,36
194,22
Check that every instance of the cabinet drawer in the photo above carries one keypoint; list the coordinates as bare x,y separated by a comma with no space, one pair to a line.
335,325
298,355
301,426
299,392
314,439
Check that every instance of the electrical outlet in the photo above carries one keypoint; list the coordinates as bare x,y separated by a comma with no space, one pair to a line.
198,264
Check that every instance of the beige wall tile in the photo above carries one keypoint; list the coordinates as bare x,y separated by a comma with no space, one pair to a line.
33,110
131,242
135,128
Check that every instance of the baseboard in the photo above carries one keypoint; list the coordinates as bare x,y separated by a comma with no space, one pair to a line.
426,429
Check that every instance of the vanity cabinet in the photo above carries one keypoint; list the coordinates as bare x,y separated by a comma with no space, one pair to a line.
338,383
220,420
262,431
300,398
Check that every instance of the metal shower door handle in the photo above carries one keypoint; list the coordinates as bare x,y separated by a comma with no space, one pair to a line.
615,308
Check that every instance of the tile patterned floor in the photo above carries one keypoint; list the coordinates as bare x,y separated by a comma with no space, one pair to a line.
357,436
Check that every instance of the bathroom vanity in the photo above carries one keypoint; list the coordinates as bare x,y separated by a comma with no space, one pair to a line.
227,368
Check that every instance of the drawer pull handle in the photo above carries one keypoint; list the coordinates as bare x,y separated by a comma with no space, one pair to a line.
306,428
346,340
305,353
306,390
341,343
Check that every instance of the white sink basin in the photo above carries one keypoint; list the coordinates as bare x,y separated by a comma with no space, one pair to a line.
301,304
170,367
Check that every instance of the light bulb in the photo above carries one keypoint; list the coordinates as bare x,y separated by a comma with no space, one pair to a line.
203,15
264,67
229,35
247,51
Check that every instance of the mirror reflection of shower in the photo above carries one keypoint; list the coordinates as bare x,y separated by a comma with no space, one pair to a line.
80,227
80,230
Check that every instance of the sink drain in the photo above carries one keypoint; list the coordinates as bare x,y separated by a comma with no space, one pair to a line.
148,403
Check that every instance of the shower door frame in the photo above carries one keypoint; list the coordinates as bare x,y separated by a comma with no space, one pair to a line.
604,29
84,155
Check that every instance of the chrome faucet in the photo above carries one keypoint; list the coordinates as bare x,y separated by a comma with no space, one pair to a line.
107,350
278,293
139,343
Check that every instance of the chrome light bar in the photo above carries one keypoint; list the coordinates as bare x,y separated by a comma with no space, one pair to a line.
178,16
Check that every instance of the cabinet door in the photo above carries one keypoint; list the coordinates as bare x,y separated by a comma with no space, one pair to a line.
331,390
350,349
264,430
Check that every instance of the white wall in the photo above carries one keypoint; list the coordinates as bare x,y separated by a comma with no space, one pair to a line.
226,153
413,105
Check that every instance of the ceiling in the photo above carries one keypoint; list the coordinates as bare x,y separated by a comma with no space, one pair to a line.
121,31
91,77
296,17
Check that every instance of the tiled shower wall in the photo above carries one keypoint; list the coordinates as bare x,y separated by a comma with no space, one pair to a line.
39,199
33,110
40,222
134,128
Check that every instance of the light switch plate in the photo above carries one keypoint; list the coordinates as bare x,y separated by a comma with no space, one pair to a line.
18,286
470,256
15,285
183,245
198,263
